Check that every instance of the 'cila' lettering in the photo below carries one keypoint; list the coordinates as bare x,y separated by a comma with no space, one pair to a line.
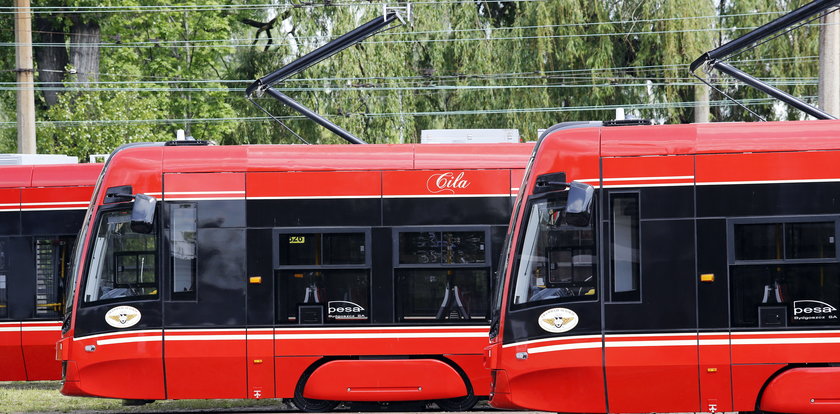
447,181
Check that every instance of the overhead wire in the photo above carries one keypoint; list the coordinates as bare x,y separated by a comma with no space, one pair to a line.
226,7
585,73
583,108
421,79
488,29
777,82
192,44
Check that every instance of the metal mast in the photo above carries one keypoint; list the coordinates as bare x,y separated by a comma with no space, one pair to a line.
264,85
714,59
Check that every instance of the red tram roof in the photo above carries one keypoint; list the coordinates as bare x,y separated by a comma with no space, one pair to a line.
341,157
720,138
143,166
49,175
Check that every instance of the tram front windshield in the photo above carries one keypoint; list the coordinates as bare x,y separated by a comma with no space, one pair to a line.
556,261
122,262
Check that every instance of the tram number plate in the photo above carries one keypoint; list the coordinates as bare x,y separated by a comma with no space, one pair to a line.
297,239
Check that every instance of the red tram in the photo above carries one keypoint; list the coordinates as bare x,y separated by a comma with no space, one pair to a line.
41,210
317,273
676,268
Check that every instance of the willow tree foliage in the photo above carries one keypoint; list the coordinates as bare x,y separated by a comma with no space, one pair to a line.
480,64
658,39
788,59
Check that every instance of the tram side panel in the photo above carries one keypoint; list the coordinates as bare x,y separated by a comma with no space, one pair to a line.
250,282
52,216
648,210
11,357
116,335
781,266
736,304
295,221
204,293
14,285
373,331
34,258
537,350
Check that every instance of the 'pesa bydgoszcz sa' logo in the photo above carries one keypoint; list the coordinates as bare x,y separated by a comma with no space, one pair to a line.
813,310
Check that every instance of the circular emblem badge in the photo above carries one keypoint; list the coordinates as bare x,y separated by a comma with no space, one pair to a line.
123,317
558,320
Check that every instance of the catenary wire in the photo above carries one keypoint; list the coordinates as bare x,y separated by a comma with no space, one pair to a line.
586,108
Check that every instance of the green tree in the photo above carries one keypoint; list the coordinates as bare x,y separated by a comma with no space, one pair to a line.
788,60
479,64
166,54
73,128
672,33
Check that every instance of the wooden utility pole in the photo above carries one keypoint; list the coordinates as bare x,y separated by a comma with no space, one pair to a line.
25,78
829,84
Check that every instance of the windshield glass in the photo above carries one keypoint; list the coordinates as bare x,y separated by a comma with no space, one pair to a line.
556,262
122,262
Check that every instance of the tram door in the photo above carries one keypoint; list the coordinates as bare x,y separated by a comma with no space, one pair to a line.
204,294
648,227
714,203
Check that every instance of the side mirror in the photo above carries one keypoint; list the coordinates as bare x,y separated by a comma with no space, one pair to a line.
551,182
143,214
579,206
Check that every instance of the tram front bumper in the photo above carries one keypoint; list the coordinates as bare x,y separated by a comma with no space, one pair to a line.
500,391
70,384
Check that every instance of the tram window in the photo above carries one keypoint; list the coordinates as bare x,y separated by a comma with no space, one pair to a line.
300,249
625,247
122,262
761,241
183,250
49,271
796,279
437,294
809,293
134,268
448,247
315,249
556,261
809,240
784,241
343,293
344,248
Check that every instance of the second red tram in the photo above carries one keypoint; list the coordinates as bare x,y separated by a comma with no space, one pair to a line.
677,268
315,273
41,210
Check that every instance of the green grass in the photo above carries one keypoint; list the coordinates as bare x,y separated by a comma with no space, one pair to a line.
43,396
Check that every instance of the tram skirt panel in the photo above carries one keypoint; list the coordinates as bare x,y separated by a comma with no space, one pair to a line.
384,380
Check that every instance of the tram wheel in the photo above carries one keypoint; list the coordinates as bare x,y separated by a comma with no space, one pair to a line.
458,404
312,406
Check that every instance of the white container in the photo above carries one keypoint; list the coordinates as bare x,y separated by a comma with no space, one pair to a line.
36,159
468,136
